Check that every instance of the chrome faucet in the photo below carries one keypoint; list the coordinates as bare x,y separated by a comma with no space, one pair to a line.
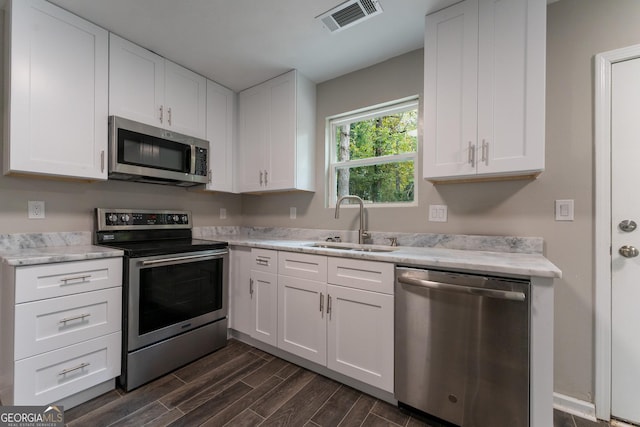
362,234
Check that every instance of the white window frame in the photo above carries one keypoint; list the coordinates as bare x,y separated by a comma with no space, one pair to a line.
332,165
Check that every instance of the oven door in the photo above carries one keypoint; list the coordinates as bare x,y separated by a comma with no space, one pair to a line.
174,293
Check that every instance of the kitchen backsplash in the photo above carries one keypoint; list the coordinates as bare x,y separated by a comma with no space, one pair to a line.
43,240
510,244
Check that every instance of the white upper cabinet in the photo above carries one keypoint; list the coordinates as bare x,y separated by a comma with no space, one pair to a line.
221,134
149,89
57,93
276,135
484,90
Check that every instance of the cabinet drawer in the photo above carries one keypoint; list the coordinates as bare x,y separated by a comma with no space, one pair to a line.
54,280
304,266
58,322
264,260
49,377
360,274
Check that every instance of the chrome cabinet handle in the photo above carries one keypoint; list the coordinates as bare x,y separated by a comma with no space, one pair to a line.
262,261
75,368
251,287
102,161
261,178
169,116
82,278
161,114
471,155
266,174
69,319
321,304
485,152
329,306
628,251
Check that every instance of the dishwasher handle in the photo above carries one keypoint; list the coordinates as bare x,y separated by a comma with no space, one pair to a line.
482,292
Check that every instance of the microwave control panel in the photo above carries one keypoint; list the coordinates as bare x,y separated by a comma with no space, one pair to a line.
201,168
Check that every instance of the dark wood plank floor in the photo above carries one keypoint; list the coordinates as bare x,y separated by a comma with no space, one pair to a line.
243,386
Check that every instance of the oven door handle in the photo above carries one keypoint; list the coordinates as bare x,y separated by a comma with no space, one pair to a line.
203,257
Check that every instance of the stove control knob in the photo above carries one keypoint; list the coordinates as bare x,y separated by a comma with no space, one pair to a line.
185,219
112,218
176,218
125,218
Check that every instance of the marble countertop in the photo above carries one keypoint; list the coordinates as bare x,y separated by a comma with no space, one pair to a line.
519,264
50,254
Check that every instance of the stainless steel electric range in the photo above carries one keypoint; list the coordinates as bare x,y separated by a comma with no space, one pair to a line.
175,290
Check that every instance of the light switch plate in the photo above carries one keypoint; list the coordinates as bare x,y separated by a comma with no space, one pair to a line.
564,210
438,213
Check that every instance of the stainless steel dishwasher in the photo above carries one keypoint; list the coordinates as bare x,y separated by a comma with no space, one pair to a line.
462,347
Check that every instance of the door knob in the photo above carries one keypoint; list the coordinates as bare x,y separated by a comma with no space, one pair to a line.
628,251
627,225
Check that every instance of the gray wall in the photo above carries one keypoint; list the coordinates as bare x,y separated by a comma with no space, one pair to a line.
577,30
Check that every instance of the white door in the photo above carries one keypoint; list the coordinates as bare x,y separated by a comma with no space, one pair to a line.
302,325
625,264
264,287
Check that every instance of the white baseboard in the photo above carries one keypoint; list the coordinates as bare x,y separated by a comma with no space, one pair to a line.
573,406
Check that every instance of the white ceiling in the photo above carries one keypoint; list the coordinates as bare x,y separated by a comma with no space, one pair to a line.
239,43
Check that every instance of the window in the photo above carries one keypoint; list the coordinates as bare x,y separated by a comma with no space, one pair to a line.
372,154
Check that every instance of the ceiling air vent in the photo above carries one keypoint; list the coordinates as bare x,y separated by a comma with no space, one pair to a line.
349,13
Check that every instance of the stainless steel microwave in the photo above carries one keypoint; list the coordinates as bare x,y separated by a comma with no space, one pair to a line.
143,153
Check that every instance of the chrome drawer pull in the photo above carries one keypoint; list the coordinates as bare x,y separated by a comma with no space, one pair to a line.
79,317
68,370
83,278
262,261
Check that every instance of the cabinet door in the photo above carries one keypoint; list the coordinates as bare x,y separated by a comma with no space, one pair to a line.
252,138
58,93
185,100
240,308
221,133
360,335
450,91
281,139
264,303
302,326
511,76
136,82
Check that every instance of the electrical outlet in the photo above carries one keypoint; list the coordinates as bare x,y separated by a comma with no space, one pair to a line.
223,213
36,209
293,212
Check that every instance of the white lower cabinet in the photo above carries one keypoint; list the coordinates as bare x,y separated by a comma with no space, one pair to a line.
263,288
335,312
240,309
360,335
60,331
52,376
338,324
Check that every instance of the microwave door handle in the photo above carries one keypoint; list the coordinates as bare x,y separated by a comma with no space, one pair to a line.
192,165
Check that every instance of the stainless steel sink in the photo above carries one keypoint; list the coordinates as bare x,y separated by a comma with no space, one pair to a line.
352,247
